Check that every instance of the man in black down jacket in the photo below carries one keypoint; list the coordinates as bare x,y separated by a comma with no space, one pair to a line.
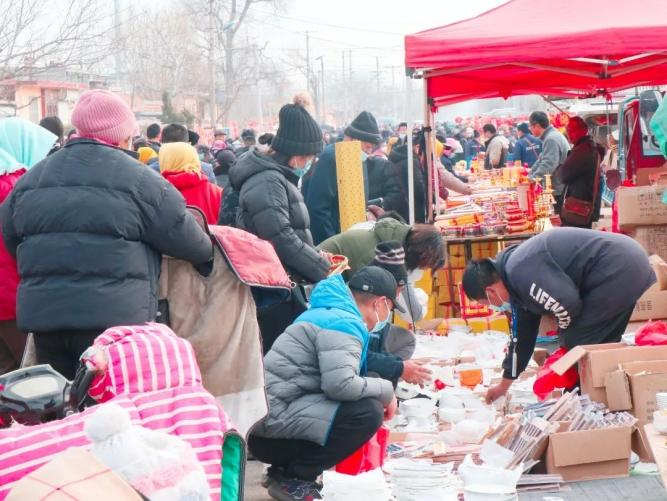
589,281
88,225
581,166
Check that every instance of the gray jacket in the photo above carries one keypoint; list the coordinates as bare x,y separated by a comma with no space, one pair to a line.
316,364
554,153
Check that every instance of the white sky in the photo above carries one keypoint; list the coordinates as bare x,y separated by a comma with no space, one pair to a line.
370,28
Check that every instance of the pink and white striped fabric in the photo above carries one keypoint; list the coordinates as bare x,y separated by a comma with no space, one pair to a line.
153,374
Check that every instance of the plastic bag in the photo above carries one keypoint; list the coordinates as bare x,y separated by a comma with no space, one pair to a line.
652,334
547,380
659,126
368,457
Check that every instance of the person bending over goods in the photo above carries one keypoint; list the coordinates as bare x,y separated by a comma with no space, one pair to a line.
322,408
588,280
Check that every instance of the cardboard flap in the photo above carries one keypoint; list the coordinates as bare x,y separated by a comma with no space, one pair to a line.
568,360
590,446
649,367
618,391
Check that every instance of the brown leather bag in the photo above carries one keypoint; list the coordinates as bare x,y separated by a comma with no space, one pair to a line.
578,212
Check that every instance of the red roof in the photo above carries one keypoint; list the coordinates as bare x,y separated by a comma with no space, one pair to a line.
554,47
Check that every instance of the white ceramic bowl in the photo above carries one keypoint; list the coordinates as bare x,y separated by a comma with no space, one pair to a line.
660,421
661,400
419,408
451,414
451,401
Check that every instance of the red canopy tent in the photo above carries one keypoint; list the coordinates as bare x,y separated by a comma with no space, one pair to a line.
559,48
564,48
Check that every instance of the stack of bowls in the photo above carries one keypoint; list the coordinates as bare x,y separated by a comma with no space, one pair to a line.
660,415
661,401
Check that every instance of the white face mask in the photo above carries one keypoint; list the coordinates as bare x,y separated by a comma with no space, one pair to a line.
415,275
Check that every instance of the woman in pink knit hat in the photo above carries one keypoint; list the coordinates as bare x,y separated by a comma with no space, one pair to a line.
92,225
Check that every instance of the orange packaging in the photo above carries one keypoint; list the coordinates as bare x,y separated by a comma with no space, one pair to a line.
471,377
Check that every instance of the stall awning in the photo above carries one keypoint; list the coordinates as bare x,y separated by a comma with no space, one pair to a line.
558,48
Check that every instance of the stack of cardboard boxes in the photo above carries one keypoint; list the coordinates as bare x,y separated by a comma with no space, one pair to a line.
623,378
445,292
642,215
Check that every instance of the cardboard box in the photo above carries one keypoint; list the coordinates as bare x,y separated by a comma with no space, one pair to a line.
644,174
590,454
653,239
660,269
597,360
641,206
651,306
633,387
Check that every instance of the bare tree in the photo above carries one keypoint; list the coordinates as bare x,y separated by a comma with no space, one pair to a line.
39,33
160,54
220,39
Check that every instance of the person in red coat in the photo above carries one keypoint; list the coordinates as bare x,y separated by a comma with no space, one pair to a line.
180,165
22,145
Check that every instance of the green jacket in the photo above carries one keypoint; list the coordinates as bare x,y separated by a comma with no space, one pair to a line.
359,245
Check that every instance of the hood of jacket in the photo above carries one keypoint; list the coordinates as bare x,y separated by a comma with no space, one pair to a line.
500,263
253,163
391,229
183,180
332,307
399,153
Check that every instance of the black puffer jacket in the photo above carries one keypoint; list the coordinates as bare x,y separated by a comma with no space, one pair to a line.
399,164
88,225
271,207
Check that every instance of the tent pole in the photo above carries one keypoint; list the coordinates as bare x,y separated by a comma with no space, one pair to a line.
411,178
428,131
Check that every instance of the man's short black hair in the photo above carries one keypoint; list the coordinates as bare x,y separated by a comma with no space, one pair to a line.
489,128
402,124
477,276
175,133
193,137
153,131
55,125
539,118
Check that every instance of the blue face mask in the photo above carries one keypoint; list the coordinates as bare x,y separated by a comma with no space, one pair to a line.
381,324
304,170
505,306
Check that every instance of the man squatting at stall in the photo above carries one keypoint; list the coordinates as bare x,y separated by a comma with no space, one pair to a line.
588,280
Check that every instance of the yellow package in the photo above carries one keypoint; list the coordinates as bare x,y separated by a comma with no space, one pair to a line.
492,323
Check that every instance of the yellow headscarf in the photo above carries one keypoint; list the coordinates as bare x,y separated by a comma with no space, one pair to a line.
145,154
179,157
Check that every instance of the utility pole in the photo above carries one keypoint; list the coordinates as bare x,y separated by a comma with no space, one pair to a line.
116,31
258,92
211,65
344,84
308,86
322,80
393,89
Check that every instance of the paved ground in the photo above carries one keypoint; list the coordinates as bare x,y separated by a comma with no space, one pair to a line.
254,491
622,489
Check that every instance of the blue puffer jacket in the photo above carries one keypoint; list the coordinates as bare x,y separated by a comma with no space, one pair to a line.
316,364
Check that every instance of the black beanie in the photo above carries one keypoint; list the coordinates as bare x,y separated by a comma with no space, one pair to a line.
298,133
364,128
391,256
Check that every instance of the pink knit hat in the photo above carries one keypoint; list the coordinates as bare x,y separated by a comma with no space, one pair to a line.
100,114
